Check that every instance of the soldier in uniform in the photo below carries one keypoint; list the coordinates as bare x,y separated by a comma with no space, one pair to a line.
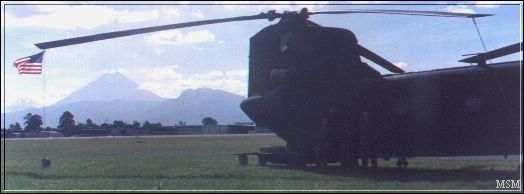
367,141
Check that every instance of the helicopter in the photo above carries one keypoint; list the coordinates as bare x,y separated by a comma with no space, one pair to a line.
309,85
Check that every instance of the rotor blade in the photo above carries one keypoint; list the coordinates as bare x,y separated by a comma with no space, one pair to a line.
271,15
117,34
483,57
402,12
378,60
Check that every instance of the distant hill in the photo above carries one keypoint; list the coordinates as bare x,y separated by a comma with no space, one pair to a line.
193,105
115,97
110,87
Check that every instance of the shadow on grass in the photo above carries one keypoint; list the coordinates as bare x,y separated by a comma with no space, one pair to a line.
465,174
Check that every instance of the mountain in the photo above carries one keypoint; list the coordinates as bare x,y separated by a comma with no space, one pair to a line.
115,97
193,105
110,87
98,111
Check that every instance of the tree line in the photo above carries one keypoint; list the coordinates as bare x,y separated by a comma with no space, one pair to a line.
33,122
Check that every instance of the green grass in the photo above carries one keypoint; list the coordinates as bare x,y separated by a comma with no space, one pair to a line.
207,163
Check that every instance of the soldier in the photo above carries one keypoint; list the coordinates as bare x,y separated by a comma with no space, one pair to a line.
330,135
350,149
322,145
367,143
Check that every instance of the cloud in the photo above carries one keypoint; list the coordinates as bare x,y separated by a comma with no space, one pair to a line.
176,37
25,91
17,100
184,2
368,2
401,64
458,9
163,73
74,16
171,12
169,82
197,14
234,81
275,5
136,16
209,75
112,71
21,104
492,4
293,6
236,5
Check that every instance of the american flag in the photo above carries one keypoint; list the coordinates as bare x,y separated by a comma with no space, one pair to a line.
30,65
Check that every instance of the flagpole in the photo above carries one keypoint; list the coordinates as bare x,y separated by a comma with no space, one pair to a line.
43,73
33,65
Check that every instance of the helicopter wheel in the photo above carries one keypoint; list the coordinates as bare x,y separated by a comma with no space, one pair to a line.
295,165
402,163
321,165
350,165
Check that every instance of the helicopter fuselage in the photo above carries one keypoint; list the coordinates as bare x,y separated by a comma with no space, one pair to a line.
463,111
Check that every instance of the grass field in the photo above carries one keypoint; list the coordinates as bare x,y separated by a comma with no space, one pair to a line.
207,163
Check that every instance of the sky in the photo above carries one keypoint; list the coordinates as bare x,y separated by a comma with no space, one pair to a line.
216,56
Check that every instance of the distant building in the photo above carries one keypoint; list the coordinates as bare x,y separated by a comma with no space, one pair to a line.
240,128
201,129
237,128
214,129
165,130
112,132
52,134
262,130
31,134
138,131
92,132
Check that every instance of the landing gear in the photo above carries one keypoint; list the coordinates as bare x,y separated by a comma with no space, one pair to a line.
369,162
402,162
350,164
365,163
374,163
321,165
295,164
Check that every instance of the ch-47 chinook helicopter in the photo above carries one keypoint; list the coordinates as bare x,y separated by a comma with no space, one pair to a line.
308,84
